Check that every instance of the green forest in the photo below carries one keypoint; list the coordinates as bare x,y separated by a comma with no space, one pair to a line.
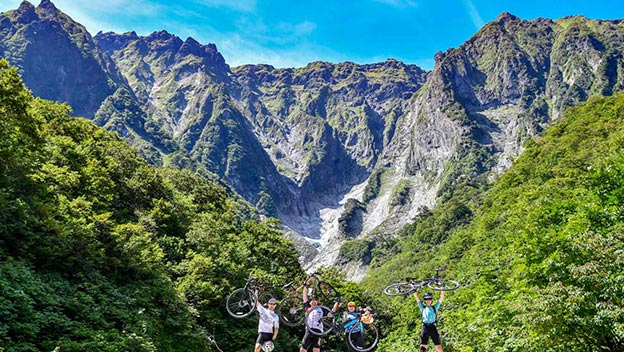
100,251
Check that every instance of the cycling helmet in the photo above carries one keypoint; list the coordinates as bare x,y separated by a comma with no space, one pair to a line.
351,304
268,346
427,296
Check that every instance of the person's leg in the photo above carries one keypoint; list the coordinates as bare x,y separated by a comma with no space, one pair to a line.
305,344
317,344
349,348
435,337
258,343
424,338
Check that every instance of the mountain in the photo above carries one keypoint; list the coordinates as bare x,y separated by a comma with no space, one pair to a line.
479,105
538,255
57,57
344,154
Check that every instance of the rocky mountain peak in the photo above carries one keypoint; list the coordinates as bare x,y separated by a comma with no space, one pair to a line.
25,6
26,13
394,63
111,41
47,7
506,16
162,35
193,47
163,41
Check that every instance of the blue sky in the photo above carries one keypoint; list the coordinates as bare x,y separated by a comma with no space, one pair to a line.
291,33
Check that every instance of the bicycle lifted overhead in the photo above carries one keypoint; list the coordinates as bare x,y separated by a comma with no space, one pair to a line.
362,334
242,301
412,285
290,309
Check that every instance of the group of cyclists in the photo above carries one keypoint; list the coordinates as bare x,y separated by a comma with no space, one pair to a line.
268,325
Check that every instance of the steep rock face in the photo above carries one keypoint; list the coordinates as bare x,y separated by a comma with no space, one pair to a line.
184,87
57,57
586,59
324,126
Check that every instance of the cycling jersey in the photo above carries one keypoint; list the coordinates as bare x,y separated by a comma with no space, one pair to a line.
268,320
429,315
314,316
351,319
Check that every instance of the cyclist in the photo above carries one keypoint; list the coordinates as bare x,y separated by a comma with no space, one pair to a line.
314,317
429,319
268,324
351,318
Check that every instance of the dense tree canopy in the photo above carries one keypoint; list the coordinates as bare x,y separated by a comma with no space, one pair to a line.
102,252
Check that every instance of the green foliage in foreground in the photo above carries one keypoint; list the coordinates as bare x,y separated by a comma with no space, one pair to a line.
540,255
101,252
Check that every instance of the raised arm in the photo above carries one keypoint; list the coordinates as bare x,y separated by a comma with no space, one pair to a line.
336,306
416,296
441,296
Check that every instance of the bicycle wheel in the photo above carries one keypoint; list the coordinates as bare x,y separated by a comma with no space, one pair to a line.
264,298
320,321
241,303
363,337
443,285
327,293
398,289
290,311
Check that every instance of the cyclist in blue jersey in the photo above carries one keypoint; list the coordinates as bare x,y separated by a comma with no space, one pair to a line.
429,320
351,318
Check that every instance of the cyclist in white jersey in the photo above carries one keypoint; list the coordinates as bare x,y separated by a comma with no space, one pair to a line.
314,315
268,324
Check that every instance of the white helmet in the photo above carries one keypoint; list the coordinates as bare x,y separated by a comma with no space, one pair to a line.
268,346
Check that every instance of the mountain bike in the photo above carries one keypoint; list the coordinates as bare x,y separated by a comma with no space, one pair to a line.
362,335
290,309
413,285
242,301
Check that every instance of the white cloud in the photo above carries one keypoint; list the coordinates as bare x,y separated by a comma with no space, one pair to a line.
474,14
